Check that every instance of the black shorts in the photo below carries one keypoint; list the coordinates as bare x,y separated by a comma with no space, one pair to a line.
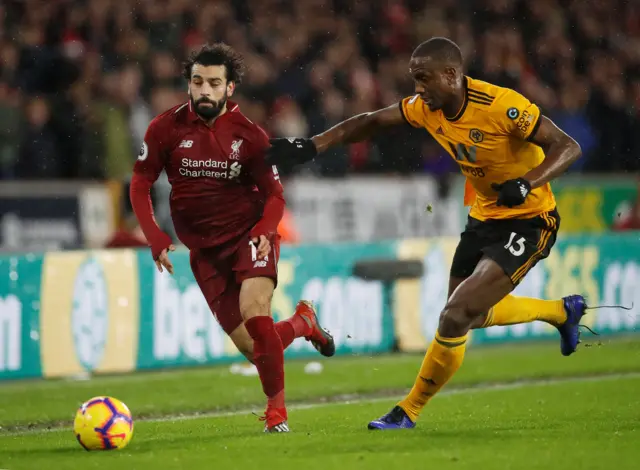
515,244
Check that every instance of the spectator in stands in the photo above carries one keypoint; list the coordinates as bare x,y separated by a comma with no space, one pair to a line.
38,157
570,115
105,67
11,129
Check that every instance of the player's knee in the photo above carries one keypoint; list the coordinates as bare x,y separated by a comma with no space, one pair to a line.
255,305
455,320
255,297
452,323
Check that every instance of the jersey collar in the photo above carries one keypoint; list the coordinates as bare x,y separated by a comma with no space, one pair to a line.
464,103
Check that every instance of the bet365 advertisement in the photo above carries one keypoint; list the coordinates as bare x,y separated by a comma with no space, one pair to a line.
71,314
83,312
177,327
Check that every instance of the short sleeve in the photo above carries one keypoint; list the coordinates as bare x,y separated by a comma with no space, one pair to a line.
151,157
515,115
412,109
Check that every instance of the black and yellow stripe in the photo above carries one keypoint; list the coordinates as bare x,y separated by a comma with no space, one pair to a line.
464,103
480,97
488,321
541,246
404,116
450,342
533,132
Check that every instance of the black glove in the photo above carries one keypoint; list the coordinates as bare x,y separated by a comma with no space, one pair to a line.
512,192
290,151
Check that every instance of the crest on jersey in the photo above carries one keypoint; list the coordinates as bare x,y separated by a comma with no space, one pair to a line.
235,149
513,113
476,135
144,152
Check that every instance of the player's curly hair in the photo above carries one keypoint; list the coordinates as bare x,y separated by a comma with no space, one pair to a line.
218,53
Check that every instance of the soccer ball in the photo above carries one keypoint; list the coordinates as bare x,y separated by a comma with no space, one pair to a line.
103,423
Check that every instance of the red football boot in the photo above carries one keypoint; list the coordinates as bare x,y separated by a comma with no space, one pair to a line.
319,337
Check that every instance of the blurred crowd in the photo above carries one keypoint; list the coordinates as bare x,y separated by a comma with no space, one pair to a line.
80,80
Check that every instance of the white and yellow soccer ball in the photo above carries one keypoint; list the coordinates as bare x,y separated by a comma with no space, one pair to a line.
103,423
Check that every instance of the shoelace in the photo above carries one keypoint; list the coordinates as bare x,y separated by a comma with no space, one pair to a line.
604,306
260,417
590,330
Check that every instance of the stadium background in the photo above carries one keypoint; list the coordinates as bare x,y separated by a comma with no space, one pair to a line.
80,81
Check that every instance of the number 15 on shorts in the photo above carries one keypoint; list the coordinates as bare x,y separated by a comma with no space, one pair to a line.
515,248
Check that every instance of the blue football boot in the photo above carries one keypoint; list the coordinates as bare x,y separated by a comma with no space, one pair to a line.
394,419
576,307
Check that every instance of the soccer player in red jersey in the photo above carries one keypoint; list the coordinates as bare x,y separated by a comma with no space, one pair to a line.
226,203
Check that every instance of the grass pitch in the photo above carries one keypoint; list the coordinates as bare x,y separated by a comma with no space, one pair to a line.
522,406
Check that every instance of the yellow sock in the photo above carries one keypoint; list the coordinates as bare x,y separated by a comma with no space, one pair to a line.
442,360
512,310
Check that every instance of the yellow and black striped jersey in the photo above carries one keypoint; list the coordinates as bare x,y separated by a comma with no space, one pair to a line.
488,138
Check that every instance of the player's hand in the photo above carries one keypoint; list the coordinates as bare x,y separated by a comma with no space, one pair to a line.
513,192
292,150
263,246
163,260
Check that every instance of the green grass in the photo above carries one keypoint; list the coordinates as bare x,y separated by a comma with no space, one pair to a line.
587,424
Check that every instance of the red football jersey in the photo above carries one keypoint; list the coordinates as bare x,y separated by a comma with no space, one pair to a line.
221,187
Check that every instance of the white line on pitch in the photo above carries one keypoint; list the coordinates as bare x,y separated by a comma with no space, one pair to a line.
354,399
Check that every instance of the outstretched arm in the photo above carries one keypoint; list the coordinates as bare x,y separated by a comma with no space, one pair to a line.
560,152
358,128
295,151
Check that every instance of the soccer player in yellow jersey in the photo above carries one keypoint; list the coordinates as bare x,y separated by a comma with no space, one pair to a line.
508,152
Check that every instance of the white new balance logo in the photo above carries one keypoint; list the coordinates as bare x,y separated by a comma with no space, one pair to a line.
186,144
260,264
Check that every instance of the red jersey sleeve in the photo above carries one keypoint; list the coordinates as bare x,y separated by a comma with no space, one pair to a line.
146,170
268,182
152,154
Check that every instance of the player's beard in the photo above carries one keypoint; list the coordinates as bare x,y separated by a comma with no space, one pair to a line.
209,112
